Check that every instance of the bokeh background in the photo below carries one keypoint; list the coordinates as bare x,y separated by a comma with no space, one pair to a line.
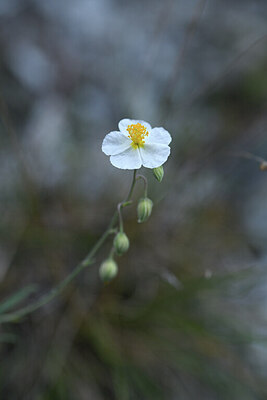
186,316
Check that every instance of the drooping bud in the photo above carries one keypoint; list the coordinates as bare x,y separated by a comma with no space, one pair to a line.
144,209
121,243
158,173
108,270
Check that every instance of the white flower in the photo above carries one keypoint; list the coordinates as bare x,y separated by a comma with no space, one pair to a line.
137,144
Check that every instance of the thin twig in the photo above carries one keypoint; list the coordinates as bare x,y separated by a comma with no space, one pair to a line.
246,154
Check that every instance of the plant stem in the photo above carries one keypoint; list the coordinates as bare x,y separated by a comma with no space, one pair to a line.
132,187
145,183
88,260
120,217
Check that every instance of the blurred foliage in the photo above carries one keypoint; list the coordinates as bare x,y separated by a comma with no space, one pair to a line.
175,341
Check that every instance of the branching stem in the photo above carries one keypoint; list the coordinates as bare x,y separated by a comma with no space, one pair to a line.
88,260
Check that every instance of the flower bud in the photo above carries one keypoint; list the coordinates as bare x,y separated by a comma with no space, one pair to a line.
144,209
108,270
158,173
121,243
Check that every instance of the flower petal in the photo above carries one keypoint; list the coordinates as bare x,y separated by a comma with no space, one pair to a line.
154,155
114,143
159,136
123,124
128,159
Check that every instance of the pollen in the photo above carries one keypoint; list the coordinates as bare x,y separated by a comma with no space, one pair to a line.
137,133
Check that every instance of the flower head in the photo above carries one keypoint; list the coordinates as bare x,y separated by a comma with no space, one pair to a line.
137,144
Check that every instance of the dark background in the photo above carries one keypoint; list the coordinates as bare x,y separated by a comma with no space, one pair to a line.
186,316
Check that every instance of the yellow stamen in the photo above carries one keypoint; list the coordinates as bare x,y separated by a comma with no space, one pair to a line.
137,133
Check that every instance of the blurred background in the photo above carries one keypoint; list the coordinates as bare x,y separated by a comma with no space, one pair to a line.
186,316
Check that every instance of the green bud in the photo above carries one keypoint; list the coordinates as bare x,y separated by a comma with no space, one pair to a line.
108,270
158,173
121,243
144,209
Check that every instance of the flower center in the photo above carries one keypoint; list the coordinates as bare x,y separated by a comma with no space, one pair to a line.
137,133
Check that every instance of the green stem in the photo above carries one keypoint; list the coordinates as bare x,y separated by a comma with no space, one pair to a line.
88,260
132,187
145,183
120,216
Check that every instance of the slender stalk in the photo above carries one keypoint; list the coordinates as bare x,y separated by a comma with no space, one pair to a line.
88,260
132,187
120,217
145,183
